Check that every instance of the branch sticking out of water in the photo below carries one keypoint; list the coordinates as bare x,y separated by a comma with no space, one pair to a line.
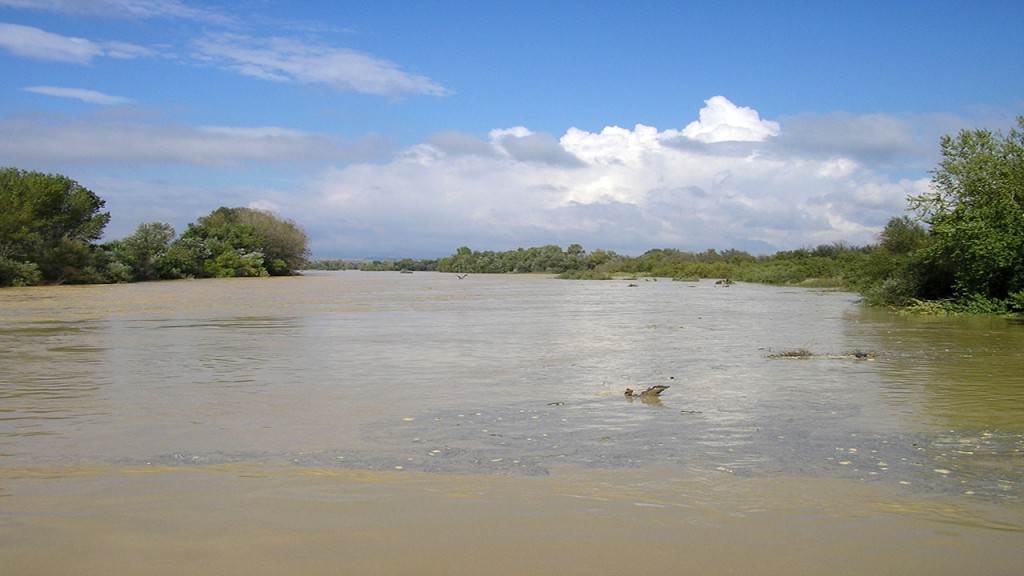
803,353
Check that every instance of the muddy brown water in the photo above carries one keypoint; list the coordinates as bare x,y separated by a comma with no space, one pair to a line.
379,423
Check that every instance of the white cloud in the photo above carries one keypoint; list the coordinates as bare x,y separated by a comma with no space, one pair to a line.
620,189
723,121
276,59
126,51
123,9
614,145
627,190
265,205
90,96
30,42
109,141
288,60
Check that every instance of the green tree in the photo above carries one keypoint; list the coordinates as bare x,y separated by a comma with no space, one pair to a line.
48,221
975,209
146,251
894,273
240,242
282,242
902,235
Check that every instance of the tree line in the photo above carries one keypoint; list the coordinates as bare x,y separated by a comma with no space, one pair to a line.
50,225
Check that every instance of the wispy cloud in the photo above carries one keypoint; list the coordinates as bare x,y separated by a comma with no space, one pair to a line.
289,60
30,42
124,9
90,96
104,140
277,59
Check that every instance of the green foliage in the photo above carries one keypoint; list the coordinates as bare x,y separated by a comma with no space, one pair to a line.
972,304
893,274
233,242
901,236
548,259
283,243
108,265
15,273
231,263
835,265
584,274
976,212
1015,302
48,221
48,224
146,251
408,264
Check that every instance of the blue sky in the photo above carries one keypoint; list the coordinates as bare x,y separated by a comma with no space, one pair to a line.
412,128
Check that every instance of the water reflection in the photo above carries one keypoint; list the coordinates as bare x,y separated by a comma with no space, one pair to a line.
960,372
955,382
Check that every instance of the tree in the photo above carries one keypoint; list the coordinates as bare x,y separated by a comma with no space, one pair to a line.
975,209
282,242
902,235
146,251
48,221
894,274
240,242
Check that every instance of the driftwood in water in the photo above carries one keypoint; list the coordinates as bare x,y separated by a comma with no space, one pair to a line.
650,392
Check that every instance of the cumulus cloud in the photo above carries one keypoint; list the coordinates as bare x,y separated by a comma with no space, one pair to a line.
289,60
625,189
723,121
30,42
90,96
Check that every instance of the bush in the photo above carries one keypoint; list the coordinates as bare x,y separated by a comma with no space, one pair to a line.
13,273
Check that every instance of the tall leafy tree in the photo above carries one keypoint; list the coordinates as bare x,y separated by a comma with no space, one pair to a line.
975,209
242,242
48,221
894,273
146,251
283,243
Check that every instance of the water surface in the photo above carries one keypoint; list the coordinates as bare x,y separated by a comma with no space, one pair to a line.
417,424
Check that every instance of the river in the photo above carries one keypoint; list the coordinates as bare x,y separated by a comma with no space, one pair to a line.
383,423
